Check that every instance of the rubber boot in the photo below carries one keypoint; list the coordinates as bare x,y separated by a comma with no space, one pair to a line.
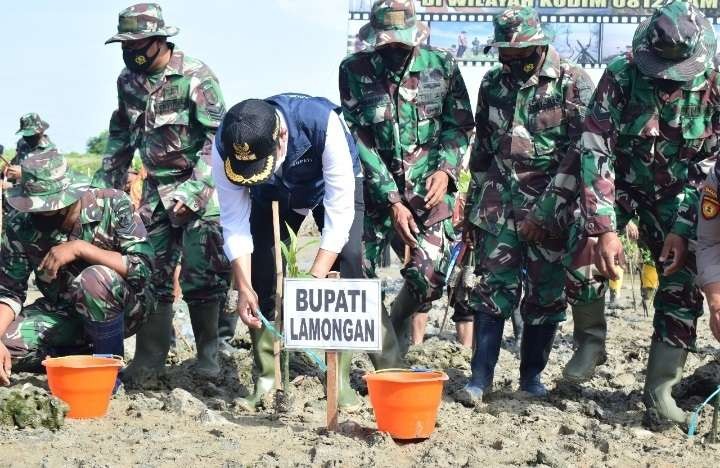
264,360
590,331
664,370
107,337
152,346
227,323
348,399
537,341
403,307
488,332
204,320
390,358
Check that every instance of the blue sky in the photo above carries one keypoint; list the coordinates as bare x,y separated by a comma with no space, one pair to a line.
55,63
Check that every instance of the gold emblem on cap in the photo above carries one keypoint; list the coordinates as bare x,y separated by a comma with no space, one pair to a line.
259,177
243,153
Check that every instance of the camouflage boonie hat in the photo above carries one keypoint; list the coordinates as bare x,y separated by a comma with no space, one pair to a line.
46,184
141,21
676,43
393,21
31,124
518,27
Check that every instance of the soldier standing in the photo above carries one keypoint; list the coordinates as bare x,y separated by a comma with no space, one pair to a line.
91,258
169,108
408,109
33,139
650,136
529,115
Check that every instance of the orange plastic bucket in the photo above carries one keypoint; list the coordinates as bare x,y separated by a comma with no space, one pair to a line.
406,402
85,383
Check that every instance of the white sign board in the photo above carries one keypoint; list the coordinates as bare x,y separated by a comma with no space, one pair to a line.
332,314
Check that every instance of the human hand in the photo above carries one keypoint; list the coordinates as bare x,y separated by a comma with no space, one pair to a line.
436,185
531,231
609,255
404,224
248,308
13,172
5,365
674,251
59,256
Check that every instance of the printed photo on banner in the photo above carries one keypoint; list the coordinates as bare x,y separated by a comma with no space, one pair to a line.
617,40
465,40
577,42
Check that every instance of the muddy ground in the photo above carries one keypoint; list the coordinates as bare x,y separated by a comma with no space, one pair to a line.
189,422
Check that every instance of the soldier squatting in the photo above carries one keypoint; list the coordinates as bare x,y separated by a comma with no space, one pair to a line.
558,168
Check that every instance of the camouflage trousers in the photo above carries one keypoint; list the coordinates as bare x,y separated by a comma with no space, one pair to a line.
549,274
198,247
44,328
678,302
425,271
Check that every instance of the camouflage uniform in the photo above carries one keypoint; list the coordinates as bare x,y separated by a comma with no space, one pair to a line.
56,322
30,125
408,125
522,134
171,118
645,153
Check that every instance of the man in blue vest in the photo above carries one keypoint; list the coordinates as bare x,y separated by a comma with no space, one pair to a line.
296,150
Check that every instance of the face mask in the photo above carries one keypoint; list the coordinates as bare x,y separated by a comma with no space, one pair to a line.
32,141
48,224
137,60
523,68
395,56
667,86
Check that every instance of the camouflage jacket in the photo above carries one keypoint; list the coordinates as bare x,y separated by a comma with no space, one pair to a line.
407,126
171,119
641,144
523,132
23,150
106,220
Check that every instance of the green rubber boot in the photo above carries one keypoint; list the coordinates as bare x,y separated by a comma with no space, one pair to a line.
348,399
664,371
264,360
402,310
152,343
204,320
590,331
390,358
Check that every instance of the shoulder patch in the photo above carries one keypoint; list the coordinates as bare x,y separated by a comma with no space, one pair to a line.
709,206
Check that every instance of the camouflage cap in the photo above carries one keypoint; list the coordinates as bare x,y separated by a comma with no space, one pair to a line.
31,124
676,43
46,184
518,27
393,21
141,21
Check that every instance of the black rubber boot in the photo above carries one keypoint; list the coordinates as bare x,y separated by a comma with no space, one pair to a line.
590,330
664,371
152,346
403,307
204,320
107,337
488,331
390,358
537,341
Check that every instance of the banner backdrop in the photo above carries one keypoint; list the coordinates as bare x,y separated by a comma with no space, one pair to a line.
588,32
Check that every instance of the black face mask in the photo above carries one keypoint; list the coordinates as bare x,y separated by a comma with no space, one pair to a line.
32,141
137,60
522,69
48,224
395,57
667,86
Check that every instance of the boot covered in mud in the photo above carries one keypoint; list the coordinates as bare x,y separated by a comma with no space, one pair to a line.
390,358
402,310
264,361
664,371
488,331
348,399
537,341
590,331
151,348
204,321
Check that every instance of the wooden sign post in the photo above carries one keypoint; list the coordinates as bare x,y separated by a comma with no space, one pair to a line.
335,315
